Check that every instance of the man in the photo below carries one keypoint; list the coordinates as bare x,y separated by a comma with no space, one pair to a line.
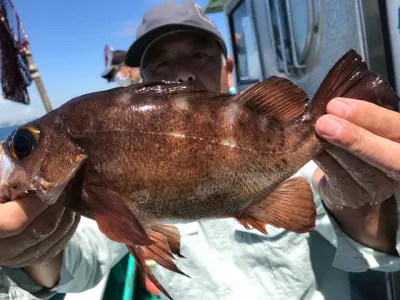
177,42
226,260
116,71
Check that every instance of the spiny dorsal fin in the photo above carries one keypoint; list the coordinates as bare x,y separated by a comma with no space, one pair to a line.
277,97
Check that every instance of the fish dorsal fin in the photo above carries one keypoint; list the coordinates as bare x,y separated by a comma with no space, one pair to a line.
277,97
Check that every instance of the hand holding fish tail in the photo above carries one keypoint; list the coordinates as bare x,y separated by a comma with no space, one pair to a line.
363,168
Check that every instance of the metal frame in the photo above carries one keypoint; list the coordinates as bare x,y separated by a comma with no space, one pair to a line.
229,8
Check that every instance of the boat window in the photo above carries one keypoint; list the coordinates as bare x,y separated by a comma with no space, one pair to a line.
245,50
292,26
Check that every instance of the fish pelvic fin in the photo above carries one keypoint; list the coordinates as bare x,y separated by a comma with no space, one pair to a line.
290,206
276,97
172,236
166,242
114,218
351,78
135,251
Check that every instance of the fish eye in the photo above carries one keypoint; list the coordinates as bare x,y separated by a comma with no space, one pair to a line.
23,141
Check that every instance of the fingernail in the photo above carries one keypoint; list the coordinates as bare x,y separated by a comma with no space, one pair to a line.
328,127
338,107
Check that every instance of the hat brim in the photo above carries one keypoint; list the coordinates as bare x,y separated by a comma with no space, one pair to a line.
108,73
136,50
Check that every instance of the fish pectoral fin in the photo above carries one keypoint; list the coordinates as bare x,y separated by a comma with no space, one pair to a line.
277,97
114,218
138,256
290,206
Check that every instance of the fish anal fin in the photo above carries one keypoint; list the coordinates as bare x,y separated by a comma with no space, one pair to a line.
290,206
114,218
277,97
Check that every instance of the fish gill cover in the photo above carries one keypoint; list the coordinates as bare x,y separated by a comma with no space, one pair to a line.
14,69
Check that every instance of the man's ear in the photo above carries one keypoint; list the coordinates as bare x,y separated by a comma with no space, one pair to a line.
229,69
134,75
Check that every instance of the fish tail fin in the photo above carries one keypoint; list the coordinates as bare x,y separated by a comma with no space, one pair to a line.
290,206
350,77
166,242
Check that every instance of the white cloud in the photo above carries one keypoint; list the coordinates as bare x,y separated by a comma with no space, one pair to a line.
12,113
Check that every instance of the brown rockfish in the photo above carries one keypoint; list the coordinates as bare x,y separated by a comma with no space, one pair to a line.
137,158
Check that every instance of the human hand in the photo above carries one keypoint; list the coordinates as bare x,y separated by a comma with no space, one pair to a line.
32,232
364,165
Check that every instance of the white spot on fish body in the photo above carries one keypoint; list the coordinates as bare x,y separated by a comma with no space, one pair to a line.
181,103
144,108
264,121
178,135
231,114
229,143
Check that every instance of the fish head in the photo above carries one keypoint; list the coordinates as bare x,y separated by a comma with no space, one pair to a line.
40,157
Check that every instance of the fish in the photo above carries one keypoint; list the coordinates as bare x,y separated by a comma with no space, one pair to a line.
138,159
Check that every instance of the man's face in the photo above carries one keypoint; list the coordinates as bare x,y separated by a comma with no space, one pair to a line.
188,57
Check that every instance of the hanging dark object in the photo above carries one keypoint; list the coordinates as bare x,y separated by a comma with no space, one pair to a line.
15,75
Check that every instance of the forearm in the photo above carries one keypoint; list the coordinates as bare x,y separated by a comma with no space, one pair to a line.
372,226
46,274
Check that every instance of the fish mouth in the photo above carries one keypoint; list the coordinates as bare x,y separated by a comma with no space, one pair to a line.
16,182
10,190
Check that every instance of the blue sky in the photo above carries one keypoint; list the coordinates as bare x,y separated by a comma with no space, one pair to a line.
67,39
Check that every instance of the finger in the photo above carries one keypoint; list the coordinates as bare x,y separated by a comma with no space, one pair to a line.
373,181
376,119
42,227
33,253
336,187
372,149
54,249
16,215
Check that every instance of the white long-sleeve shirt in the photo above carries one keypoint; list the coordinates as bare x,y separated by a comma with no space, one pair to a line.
226,261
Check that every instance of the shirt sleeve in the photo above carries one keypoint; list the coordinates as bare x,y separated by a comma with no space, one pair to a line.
89,257
350,256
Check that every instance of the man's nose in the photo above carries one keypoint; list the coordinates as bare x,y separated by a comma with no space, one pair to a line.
186,77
